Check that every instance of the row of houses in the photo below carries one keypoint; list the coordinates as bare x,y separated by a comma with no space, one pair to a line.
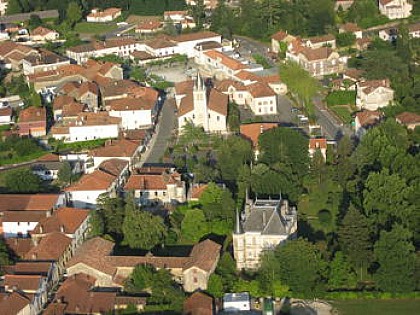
392,9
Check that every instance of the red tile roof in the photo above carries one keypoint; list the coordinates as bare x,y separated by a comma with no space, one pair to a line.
13,303
117,148
37,202
199,304
33,114
6,111
194,36
227,61
114,166
32,267
77,294
51,247
148,182
41,31
19,246
65,220
279,36
368,118
320,143
129,104
254,130
408,118
25,283
260,89
98,180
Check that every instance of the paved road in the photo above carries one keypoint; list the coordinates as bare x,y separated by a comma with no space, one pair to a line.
120,30
166,125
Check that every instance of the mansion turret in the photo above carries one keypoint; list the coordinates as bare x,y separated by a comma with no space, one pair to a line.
262,225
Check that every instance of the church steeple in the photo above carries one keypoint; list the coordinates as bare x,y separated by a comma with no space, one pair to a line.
199,83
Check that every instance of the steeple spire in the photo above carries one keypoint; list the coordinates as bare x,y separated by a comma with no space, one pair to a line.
238,225
199,83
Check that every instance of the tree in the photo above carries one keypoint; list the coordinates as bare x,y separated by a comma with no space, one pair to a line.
22,180
215,286
112,212
65,173
13,7
73,13
300,266
354,239
345,39
396,256
385,198
198,13
321,16
232,154
194,225
34,21
4,255
300,83
141,279
222,20
341,275
217,204
142,229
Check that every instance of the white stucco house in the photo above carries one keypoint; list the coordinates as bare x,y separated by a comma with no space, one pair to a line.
395,9
102,16
374,94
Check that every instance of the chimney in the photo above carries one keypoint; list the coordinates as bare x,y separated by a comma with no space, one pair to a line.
62,228
34,256
41,229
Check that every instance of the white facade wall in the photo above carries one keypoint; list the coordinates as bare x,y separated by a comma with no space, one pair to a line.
85,199
13,229
264,105
217,122
135,119
5,120
85,133
51,36
381,97
28,68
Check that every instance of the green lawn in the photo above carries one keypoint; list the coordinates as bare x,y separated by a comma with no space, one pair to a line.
94,28
378,307
343,112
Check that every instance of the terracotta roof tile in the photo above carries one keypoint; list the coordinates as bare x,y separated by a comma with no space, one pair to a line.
321,39
194,36
368,118
73,109
32,267
317,143
317,53
218,102
62,100
49,157
113,166
19,246
65,220
23,216
117,148
350,27
25,283
98,180
197,191
147,182
33,114
149,25
129,104
260,89
279,36
254,130
76,291
204,255
199,304
408,118
51,247
28,202
41,31
6,111
13,303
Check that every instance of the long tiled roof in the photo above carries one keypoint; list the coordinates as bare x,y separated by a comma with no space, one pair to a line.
66,220
23,282
12,304
254,130
117,148
38,202
33,114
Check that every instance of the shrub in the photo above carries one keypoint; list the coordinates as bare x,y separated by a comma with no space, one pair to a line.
324,216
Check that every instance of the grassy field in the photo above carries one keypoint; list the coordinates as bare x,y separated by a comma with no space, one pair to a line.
343,112
378,307
94,28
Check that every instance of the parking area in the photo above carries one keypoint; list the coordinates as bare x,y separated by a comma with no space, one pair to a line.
174,73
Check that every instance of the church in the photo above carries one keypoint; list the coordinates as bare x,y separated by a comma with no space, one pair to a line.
201,105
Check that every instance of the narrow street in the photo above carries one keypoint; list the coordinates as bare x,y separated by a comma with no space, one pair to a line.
159,142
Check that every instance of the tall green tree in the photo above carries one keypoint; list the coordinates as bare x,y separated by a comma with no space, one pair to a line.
300,83
13,7
112,212
141,229
341,274
65,173
300,266
73,13
194,225
232,154
396,256
22,180
217,203
355,240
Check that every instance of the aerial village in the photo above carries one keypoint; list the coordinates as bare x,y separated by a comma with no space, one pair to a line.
163,164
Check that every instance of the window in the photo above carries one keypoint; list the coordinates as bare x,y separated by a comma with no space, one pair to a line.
156,193
193,116
218,118
271,108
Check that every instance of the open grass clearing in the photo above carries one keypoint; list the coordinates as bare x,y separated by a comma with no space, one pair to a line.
378,307
95,28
